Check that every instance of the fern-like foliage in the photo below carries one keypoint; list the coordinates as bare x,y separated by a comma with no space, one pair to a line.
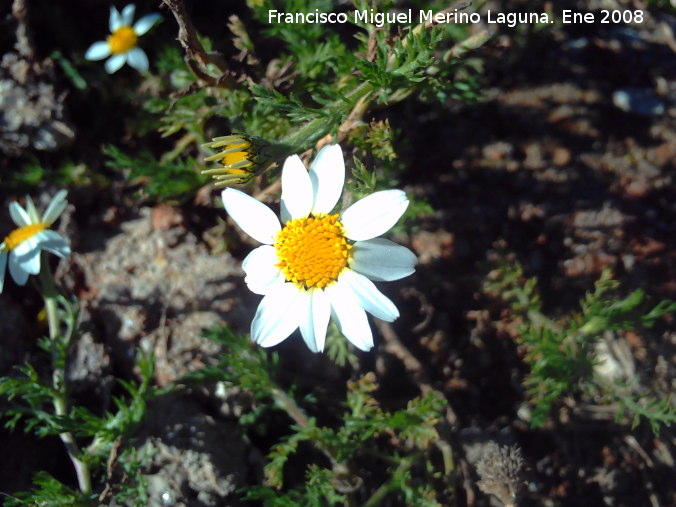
561,354
395,442
29,407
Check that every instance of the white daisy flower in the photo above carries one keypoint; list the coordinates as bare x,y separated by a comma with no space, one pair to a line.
23,245
121,42
317,264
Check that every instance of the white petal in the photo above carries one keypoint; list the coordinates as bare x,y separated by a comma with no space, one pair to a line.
137,58
305,321
19,274
277,316
261,270
31,210
27,255
114,63
374,215
115,20
19,214
146,23
327,174
350,317
262,258
382,260
370,298
321,314
55,208
52,242
315,320
264,288
98,51
253,217
3,265
127,15
24,260
296,190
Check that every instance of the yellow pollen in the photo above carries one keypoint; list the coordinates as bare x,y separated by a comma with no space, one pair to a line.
122,40
21,234
237,156
312,251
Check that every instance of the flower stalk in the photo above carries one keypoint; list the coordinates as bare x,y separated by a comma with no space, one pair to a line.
51,297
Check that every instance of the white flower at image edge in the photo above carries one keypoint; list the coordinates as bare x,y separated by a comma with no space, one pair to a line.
21,247
316,265
121,43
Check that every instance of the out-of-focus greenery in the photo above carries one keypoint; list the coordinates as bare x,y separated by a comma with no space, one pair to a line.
563,354
177,179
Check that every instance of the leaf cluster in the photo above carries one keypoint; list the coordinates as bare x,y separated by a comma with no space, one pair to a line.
398,441
398,65
29,398
318,52
395,442
248,366
562,354
47,491
168,179
34,396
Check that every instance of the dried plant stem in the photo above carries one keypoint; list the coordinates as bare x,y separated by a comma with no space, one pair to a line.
394,346
196,56
290,407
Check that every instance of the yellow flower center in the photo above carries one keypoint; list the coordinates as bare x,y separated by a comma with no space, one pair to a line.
122,40
237,156
312,251
21,234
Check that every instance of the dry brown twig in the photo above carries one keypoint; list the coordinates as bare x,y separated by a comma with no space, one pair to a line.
396,347
196,57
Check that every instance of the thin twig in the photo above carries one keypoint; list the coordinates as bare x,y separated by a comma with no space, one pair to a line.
394,346
196,57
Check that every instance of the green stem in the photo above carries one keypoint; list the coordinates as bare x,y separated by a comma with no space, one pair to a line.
314,130
60,401
379,495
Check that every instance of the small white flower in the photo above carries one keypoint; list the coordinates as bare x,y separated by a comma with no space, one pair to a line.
121,42
317,264
22,246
